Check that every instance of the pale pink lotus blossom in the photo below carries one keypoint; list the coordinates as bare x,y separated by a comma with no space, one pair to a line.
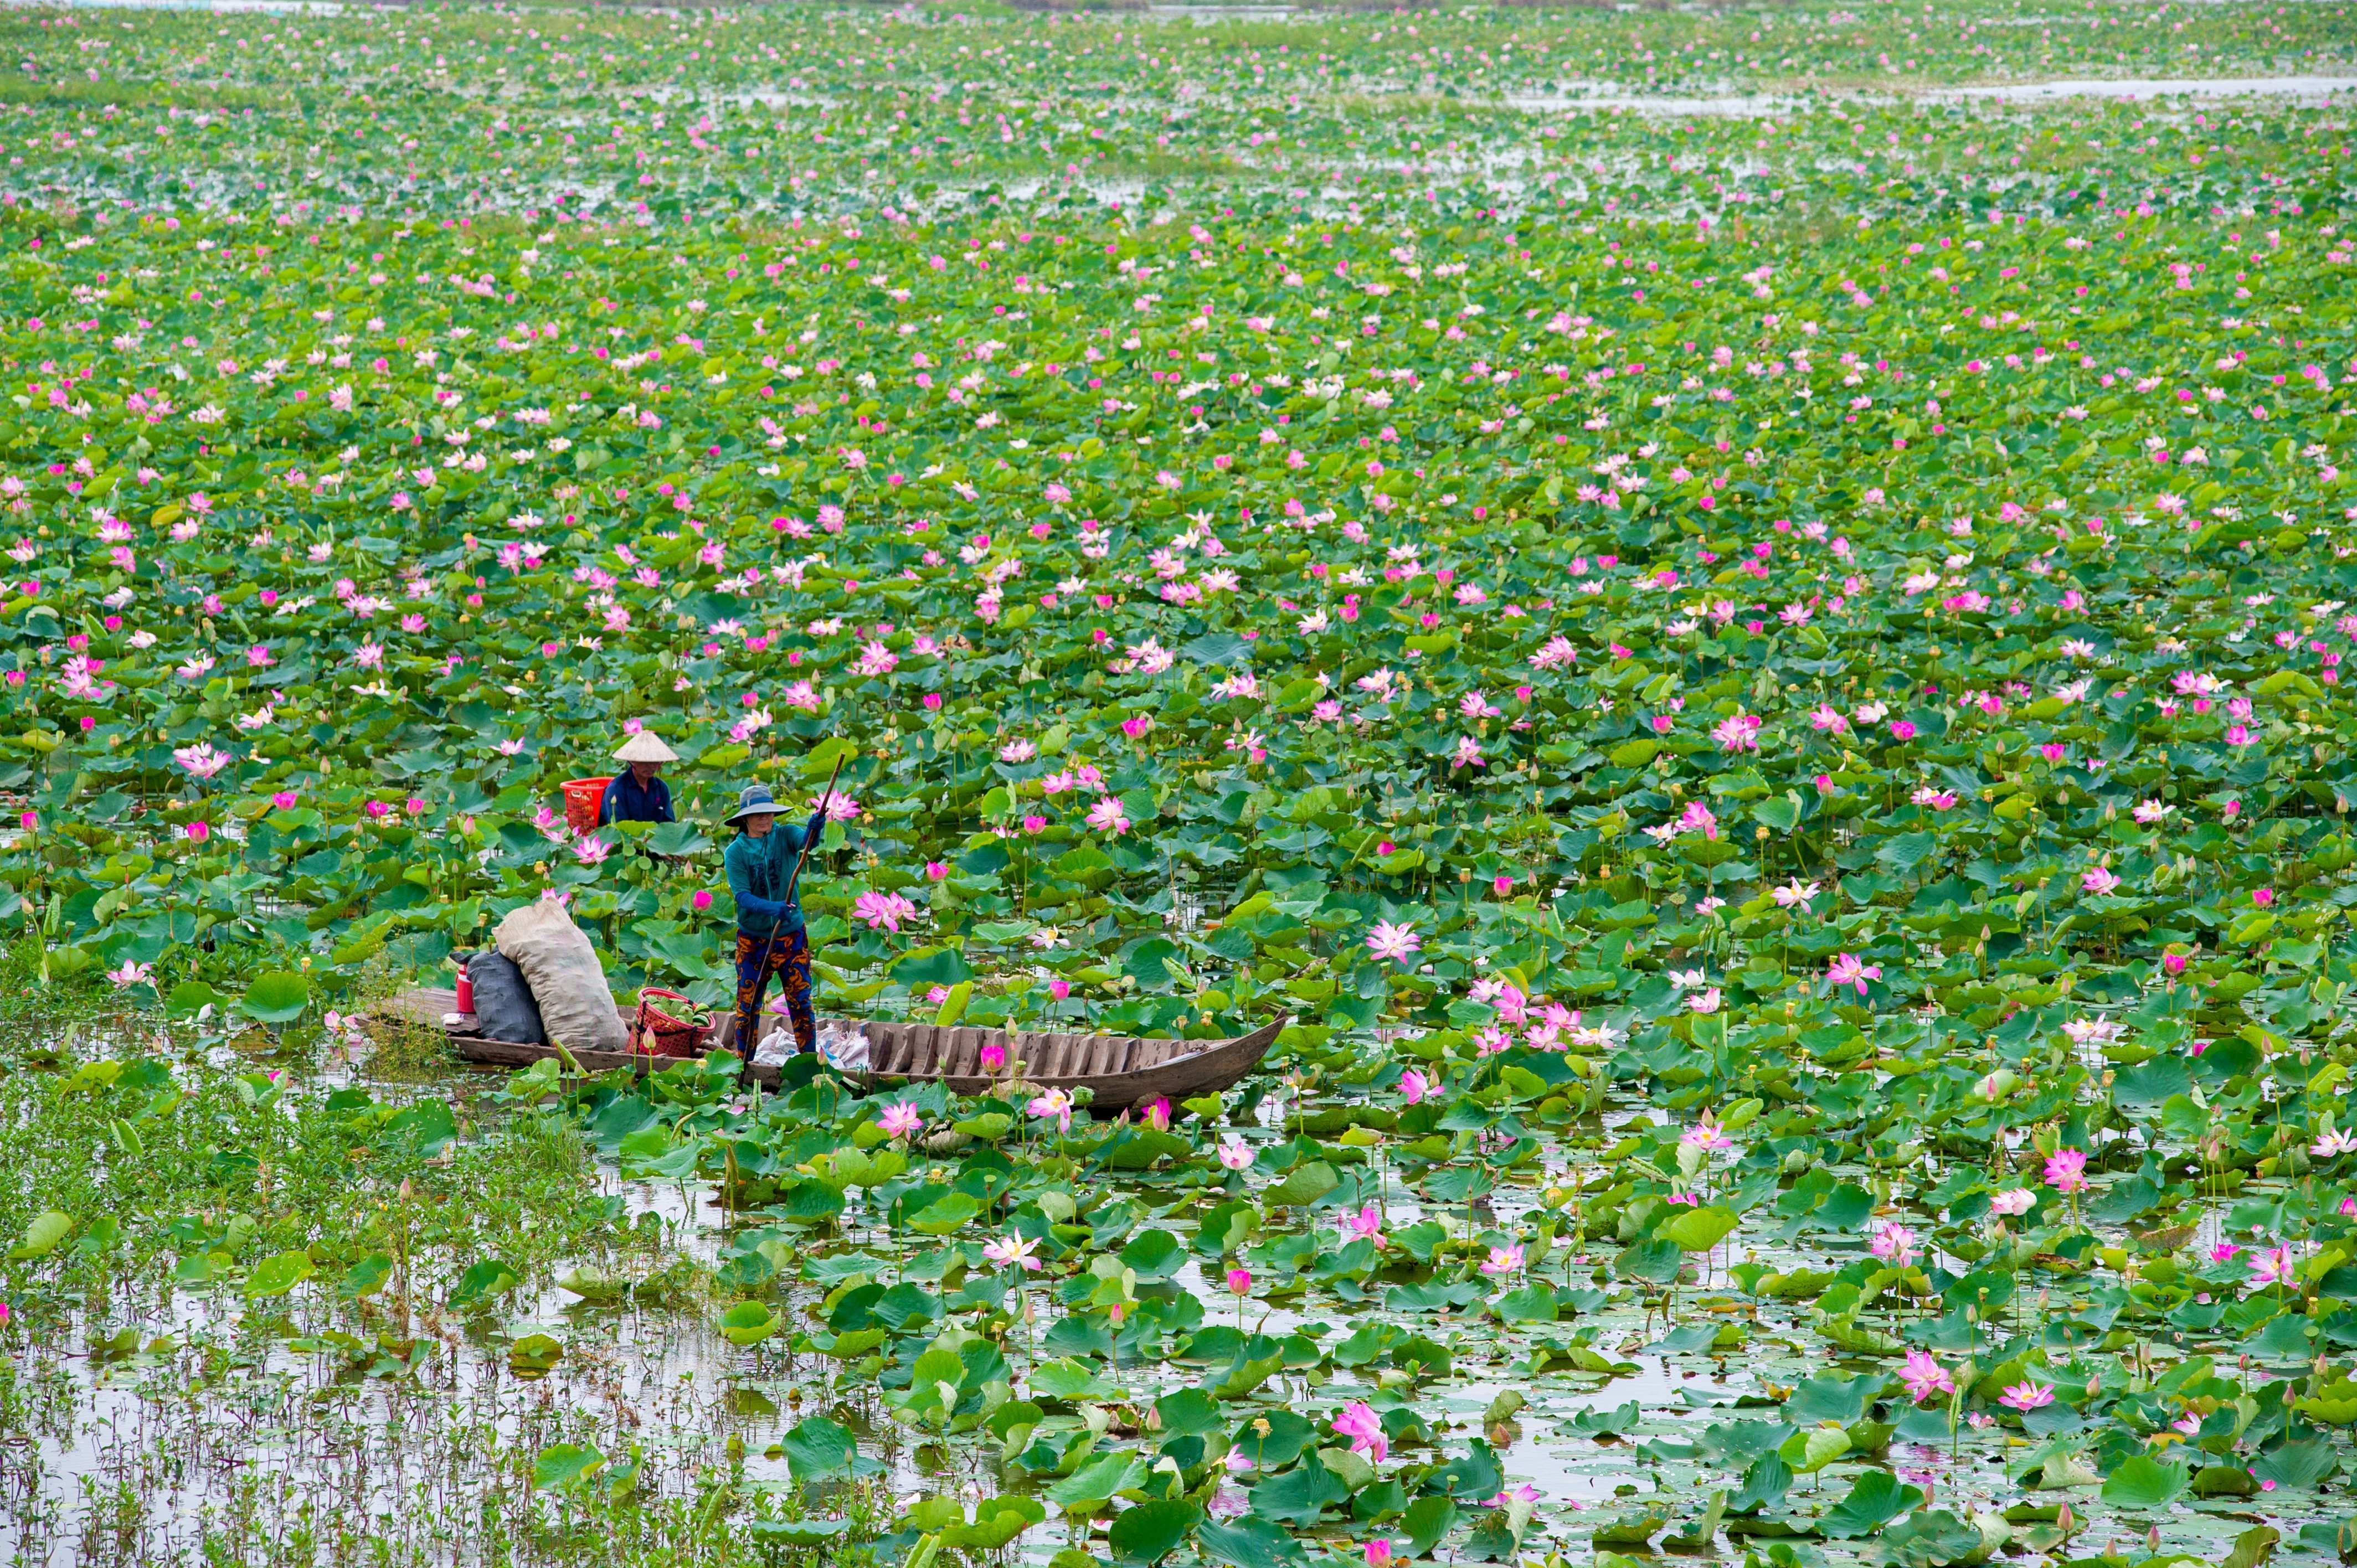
1398,942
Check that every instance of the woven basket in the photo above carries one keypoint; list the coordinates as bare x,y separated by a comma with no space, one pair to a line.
655,1033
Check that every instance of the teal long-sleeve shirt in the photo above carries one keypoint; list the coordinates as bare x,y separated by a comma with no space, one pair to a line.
758,869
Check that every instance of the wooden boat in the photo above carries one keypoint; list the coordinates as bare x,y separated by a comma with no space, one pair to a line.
1118,1069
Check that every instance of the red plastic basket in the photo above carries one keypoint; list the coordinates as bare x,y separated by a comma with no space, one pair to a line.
656,1033
582,797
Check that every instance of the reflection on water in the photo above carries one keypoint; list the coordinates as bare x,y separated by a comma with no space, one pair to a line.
1616,97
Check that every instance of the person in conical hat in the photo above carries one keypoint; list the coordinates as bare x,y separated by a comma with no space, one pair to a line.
637,794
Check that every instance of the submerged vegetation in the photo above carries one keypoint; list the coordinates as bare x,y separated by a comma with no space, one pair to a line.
1737,615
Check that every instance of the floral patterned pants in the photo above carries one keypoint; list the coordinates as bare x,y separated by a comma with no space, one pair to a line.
789,959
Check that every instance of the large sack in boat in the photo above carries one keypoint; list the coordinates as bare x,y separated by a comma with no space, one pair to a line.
504,1009
576,1010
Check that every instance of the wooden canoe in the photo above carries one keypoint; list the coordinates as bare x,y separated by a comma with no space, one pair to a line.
1118,1069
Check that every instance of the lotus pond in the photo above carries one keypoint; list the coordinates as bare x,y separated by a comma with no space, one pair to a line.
1737,613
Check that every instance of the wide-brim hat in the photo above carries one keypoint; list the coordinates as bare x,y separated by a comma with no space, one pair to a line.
645,746
752,800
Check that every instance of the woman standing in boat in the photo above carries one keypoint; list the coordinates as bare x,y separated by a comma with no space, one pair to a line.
770,936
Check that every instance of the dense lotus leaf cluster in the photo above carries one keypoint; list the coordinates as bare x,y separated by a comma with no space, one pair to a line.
1814,634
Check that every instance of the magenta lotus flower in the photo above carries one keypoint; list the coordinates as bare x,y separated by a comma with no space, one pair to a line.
1367,1225
1848,969
1365,1428
2066,1170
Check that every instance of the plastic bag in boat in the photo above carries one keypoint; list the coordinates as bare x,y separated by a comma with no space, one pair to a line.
504,1009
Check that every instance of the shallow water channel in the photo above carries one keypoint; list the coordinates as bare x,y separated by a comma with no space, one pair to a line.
183,1422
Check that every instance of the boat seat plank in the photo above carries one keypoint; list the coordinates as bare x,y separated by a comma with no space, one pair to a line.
963,1058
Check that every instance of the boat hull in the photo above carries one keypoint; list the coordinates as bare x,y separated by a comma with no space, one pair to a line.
1117,1069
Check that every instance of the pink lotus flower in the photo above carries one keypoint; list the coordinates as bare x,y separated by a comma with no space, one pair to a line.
1415,1089
1366,1225
1365,1428
882,912
994,1058
900,1120
1012,1251
2276,1266
1398,942
1504,1260
1057,1104
1740,733
1239,1281
1847,969
1925,1377
2066,1170
2026,1396
1235,1153
1706,1134
1896,1243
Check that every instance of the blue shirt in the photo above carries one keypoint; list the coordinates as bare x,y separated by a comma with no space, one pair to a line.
624,801
758,869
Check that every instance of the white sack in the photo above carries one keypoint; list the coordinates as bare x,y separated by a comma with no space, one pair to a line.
561,967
